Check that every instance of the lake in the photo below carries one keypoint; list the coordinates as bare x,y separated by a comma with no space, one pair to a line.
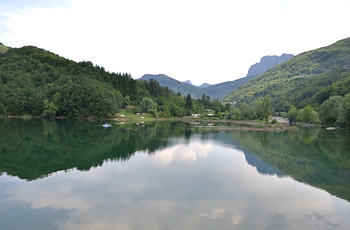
65,174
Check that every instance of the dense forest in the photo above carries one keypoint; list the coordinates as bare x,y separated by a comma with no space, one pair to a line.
39,83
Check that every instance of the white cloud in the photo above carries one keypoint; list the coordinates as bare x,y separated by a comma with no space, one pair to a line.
203,41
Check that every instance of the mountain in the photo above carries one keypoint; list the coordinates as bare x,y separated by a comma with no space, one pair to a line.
267,62
308,78
174,85
203,86
221,90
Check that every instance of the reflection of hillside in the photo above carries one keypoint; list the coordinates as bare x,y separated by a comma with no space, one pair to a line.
312,156
253,160
37,148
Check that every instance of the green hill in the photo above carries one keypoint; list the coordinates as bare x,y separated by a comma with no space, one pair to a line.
36,82
308,78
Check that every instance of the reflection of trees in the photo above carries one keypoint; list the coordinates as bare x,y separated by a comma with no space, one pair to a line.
31,149
317,157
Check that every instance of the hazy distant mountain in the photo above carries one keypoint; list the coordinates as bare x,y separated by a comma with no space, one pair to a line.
203,86
266,63
175,85
218,91
221,90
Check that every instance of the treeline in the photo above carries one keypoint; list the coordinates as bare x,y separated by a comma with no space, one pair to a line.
333,111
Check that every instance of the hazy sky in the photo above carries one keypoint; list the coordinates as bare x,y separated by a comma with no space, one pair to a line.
196,40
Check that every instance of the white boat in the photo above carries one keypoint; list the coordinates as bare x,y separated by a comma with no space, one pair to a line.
106,125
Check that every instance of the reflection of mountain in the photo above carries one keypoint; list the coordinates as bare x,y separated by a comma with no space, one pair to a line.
253,160
261,166
36,148
312,156
32,149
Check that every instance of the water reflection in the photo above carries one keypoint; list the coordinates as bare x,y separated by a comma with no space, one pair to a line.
130,177
209,187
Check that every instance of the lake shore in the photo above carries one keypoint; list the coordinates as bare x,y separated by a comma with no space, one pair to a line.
204,123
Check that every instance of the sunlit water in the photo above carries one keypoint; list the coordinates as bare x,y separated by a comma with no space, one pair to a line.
188,180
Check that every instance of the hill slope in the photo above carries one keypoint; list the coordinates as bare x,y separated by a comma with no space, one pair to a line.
297,80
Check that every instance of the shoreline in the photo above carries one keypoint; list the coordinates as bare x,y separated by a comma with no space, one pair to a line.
212,123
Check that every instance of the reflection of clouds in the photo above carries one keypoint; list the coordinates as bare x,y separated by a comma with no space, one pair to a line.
200,186
182,152
236,219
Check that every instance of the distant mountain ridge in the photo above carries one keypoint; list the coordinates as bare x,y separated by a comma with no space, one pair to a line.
204,85
266,63
221,90
176,86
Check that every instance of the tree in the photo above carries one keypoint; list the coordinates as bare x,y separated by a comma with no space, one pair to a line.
308,115
189,104
292,114
266,107
330,110
259,109
126,101
345,114
49,109
245,110
154,113
146,104
234,113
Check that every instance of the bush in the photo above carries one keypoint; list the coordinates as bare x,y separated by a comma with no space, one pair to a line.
136,109
273,121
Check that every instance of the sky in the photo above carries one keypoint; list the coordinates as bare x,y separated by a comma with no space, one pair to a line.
198,40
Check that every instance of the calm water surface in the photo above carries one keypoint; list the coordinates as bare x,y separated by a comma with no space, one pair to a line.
79,175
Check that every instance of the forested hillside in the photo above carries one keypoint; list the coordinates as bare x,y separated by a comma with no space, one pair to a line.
309,78
37,82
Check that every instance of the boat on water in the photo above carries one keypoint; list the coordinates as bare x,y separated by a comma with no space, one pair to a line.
106,125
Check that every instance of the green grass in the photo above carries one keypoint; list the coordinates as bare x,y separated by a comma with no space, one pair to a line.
130,115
